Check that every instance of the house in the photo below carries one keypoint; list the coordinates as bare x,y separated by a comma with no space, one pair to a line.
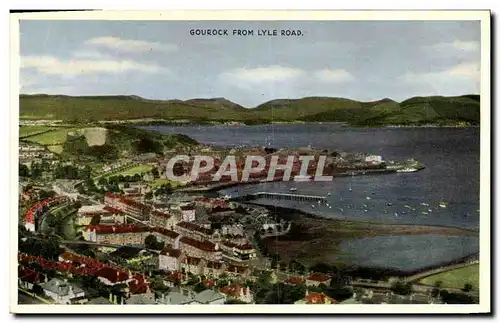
317,279
200,249
123,234
127,205
237,292
192,265
295,280
27,277
63,292
177,296
170,259
188,212
238,252
214,269
209,296
174,279
238,271
193,230
316,298
110,276
163,219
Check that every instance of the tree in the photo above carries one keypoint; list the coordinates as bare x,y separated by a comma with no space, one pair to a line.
401,288
24,170
148,195
467,288
151,242
155,172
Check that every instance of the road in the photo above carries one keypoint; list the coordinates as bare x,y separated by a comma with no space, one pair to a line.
23,298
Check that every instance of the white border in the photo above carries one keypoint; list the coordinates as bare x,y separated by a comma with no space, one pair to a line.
482,15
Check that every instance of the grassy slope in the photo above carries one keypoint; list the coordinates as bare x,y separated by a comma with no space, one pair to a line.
416,110
456,278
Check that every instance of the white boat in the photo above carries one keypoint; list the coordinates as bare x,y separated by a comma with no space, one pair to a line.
407,170
293,189
443,205
312,205
368,198
329,194
425,213
424,204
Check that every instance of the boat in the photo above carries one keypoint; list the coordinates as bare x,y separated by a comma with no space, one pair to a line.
407,170
389,204
443,205
293,189
425,213
329,194
302,178
407,206
424,204
312,205
368,198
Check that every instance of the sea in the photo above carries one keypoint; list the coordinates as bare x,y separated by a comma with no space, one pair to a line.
450,178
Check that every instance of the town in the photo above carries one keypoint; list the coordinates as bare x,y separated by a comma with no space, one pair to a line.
120,231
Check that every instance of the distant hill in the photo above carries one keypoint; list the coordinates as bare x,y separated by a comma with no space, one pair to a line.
417,110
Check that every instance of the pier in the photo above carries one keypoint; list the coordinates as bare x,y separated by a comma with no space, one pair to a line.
282,196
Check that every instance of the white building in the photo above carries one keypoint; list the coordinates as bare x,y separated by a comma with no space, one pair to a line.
373,159
63,292
170,259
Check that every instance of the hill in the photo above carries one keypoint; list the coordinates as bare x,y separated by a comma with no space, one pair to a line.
414,111
97,108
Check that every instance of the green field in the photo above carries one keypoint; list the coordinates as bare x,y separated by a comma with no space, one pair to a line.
55,149
134,170
25,131
456,278
161,181
53,137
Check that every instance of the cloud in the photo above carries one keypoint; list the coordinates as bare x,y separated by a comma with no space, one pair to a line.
457,45
268,74
333,76
130,45
464,71
50,65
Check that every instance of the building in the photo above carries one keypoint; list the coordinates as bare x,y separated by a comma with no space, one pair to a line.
209,296
63,292
110,276
125,234
170,259
188,212
295,280
27,277
127,205
214,269
163,219
237,292
177,296
106,214
238,252
316,298
238,271
193,230
31,217
192,265
317,279
373,159
200,249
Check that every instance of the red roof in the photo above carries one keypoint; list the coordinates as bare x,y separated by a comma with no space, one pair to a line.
138,287
165,232
194,227
186,207
319,277
318,298
205,246
112,210
116,229
176,275
234,290
160,214
29,275
171,252
113,275
29,216
125,200
209,283
246,246
295,280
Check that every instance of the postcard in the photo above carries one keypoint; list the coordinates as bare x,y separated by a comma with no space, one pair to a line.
250,162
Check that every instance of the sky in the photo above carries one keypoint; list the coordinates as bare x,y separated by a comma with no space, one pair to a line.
361,60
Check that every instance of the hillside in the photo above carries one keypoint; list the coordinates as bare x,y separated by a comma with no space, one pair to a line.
106,143
414,111
97,108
